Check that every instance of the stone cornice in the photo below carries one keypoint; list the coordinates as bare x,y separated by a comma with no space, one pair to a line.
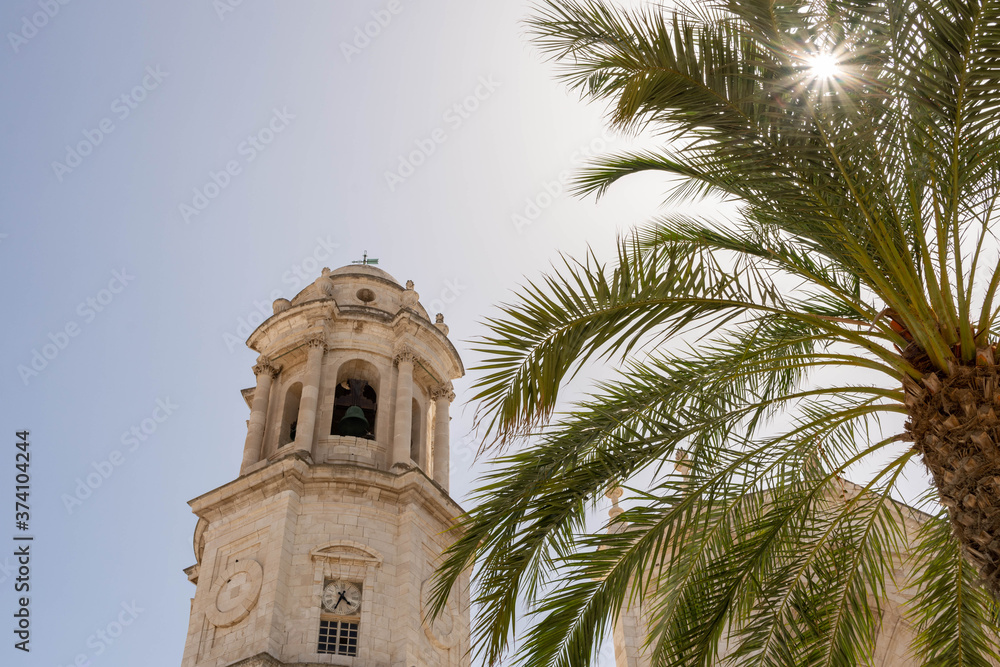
296,475
309,311
410,321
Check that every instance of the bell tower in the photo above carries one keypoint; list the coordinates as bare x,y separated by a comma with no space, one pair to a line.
321,551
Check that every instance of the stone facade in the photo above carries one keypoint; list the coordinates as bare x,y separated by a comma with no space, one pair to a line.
893,644
319,508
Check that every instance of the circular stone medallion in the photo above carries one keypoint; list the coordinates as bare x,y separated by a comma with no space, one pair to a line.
237,589
441,632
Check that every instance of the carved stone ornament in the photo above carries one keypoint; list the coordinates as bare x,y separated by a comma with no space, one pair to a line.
237,589
404,354
410,298
264,365
442,633
324,284
439,323
614,493
443,391
281,305
199,539
317,341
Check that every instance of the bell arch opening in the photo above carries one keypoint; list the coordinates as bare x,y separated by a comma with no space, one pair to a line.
355,400
290,414
416,441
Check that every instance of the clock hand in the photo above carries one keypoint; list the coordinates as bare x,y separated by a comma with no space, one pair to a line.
342,597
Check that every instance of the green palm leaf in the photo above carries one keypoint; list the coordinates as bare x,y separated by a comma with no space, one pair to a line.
774,353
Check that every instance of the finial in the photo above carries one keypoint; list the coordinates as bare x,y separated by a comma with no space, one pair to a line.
683,463
410,297
364,260
439,323
614,493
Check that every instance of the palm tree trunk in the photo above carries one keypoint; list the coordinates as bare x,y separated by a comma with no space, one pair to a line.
953,423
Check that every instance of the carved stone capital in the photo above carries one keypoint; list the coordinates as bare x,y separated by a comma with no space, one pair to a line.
404,354
317,341
443,391
264,365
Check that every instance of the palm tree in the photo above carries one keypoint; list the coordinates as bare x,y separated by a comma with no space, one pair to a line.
853,288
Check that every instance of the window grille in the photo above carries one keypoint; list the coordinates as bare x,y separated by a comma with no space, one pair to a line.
338,637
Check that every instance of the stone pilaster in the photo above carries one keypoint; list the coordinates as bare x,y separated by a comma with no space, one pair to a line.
404,408
443,396
265,373
309,402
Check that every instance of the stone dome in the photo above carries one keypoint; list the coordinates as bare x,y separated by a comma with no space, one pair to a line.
363,269
360,285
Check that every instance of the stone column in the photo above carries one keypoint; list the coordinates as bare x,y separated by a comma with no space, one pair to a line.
308,403
403,423
443,396
265,373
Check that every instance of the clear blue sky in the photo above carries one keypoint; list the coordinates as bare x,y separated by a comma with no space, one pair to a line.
169,166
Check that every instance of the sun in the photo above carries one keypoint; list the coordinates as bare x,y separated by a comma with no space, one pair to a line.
823,65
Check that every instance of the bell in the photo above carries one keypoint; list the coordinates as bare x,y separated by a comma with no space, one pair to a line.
353,423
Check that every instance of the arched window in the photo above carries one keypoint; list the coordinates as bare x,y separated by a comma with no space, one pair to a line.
357,387
415,433
354,393
290,414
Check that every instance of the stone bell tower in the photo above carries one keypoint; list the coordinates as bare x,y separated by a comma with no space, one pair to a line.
321,551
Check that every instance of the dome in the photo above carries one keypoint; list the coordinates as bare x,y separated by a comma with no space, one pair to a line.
360,285
363,269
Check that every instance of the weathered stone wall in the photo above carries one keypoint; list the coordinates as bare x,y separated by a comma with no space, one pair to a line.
274,537
893,644
318,508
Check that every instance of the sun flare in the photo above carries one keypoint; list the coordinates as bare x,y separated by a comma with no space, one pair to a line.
823,65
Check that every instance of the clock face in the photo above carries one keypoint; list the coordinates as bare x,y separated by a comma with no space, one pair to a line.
342,598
